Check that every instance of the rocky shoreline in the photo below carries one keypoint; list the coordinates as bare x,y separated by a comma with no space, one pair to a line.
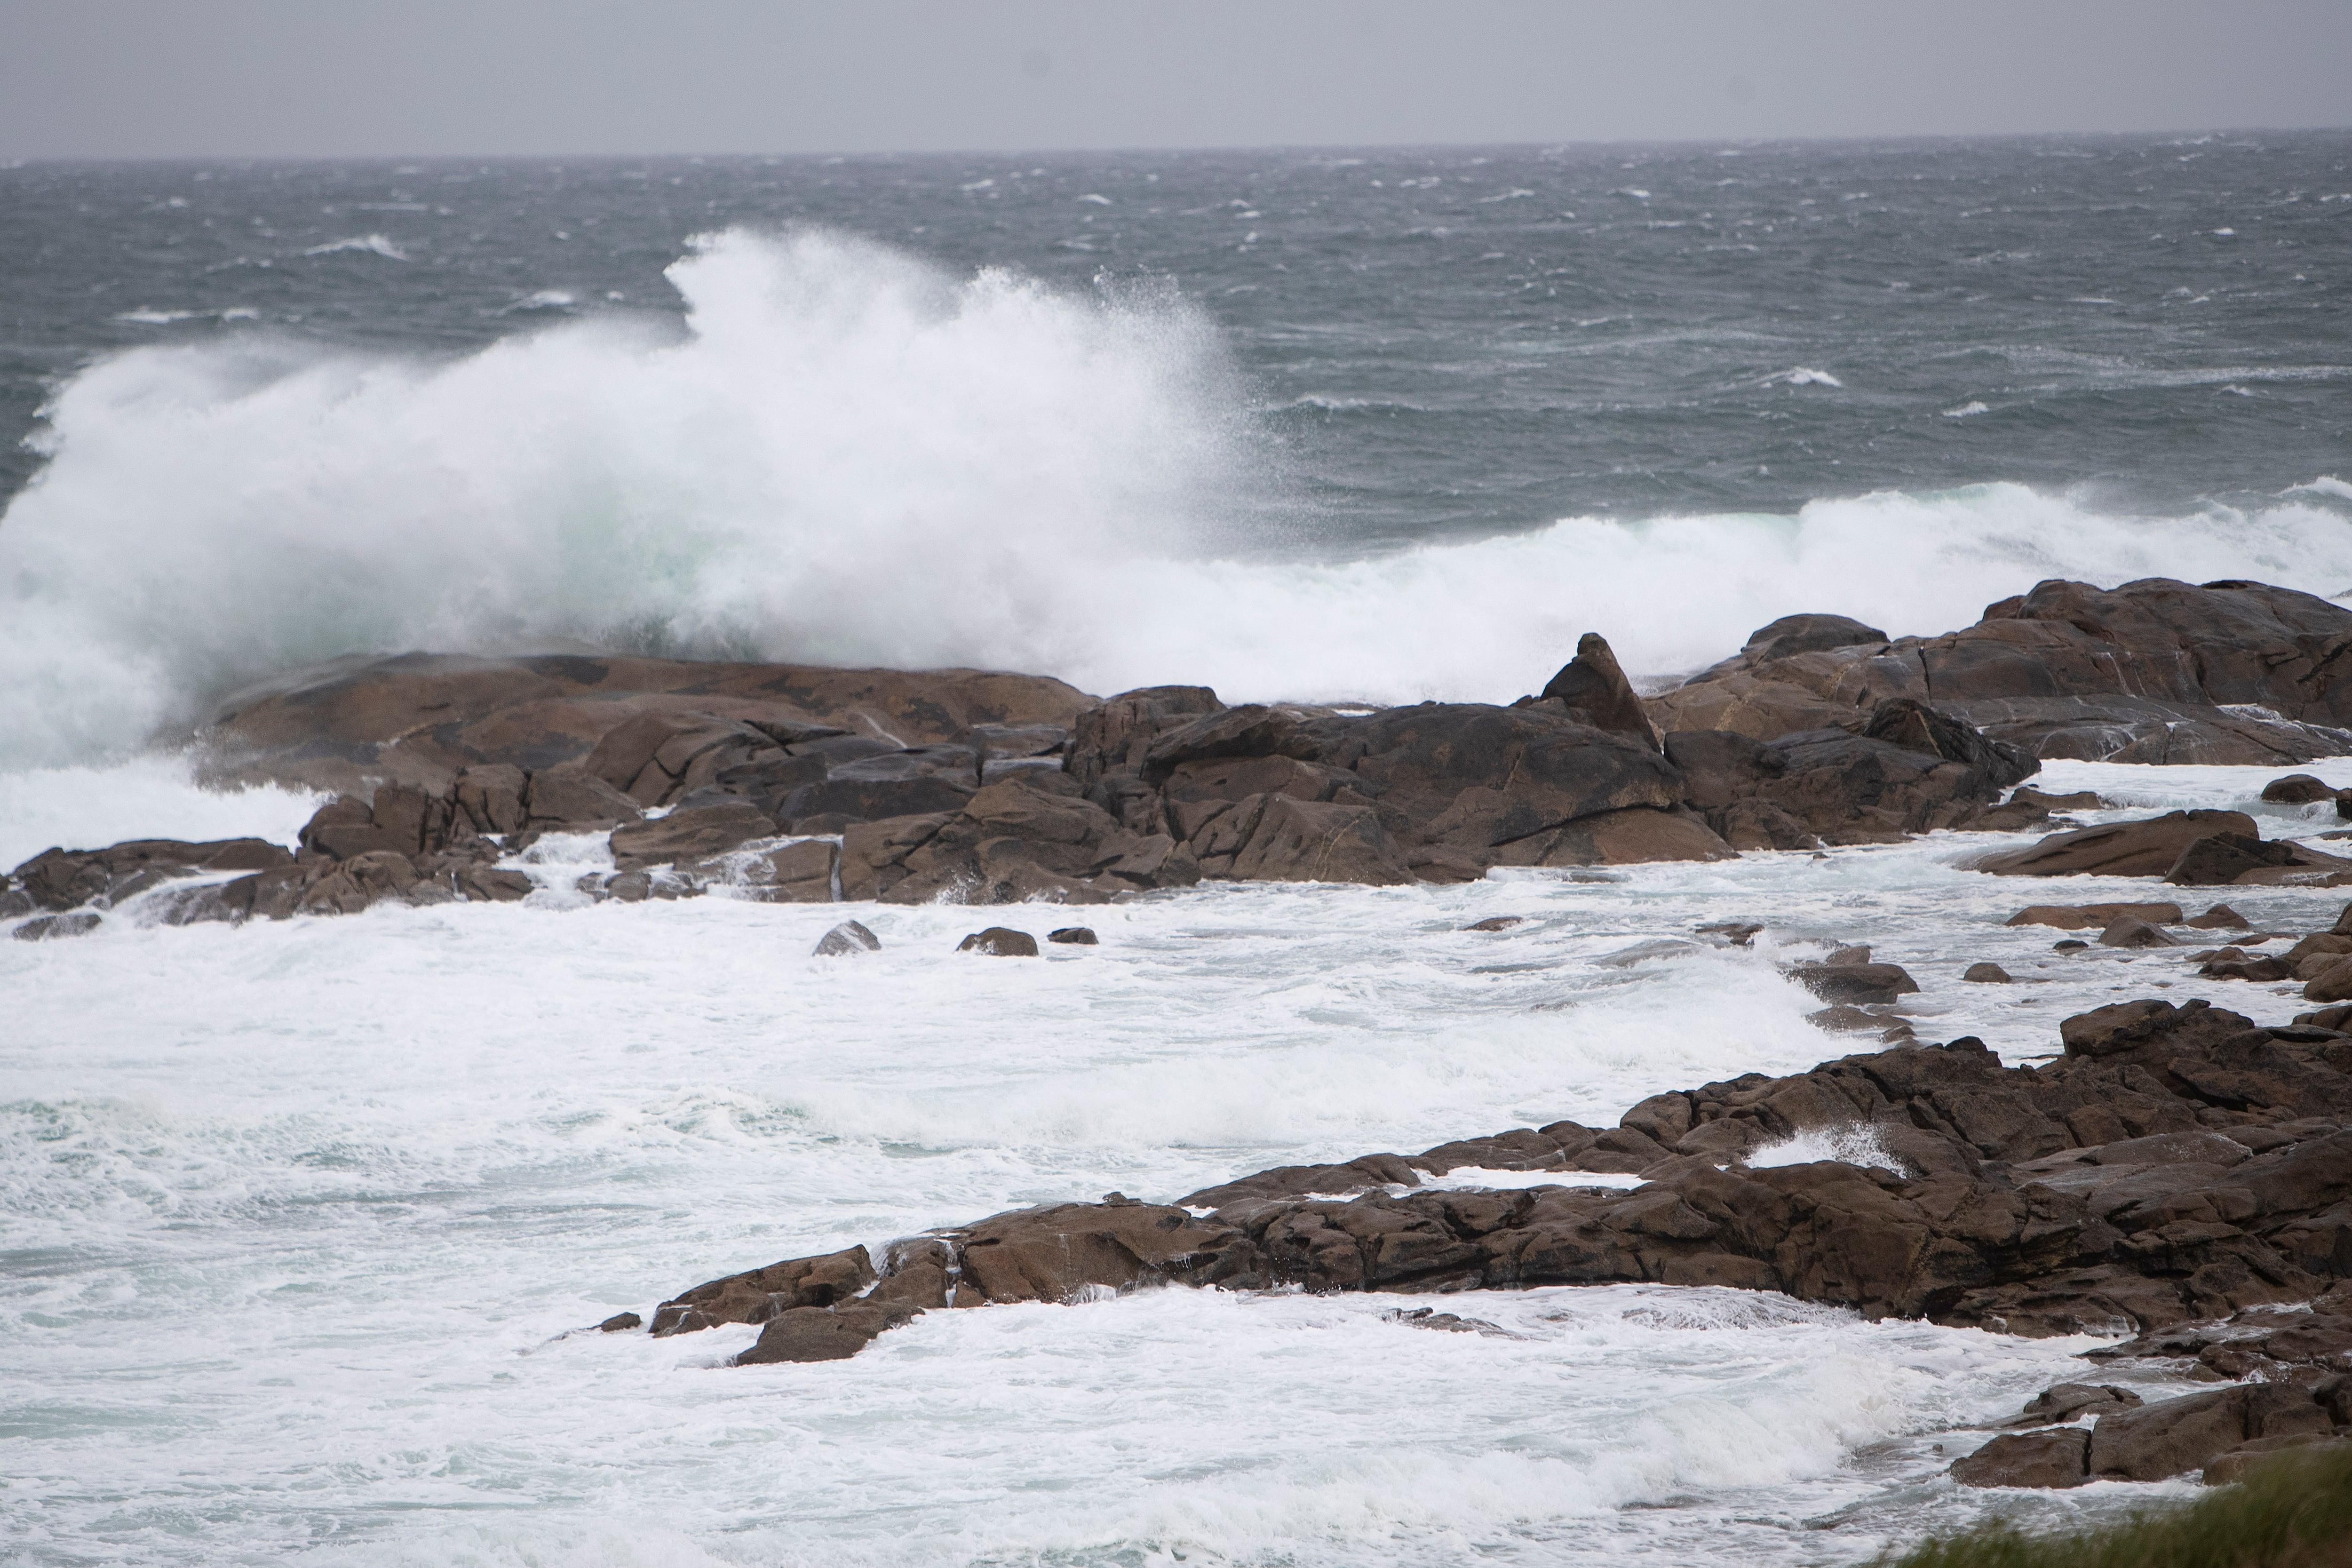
2179,1173
791,784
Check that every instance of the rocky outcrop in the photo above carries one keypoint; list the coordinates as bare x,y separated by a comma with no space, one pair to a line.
422,719
2218,1433
2177,1164
786,784
1591,689
2153,671
59,879
1832,786
2187,848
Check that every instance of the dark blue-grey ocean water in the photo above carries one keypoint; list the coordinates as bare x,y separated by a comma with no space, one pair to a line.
1434,343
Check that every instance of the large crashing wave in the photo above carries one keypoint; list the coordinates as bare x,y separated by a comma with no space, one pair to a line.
850,457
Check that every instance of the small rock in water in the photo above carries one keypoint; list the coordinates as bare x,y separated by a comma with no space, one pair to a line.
1074,936
846,938
1000,941
1855,982
2131,932
1739,933
1987,973
2220,917
49,928
1503,922
2072,944
1445,1322
621,1322
2297,789
2094,917
1859,953
2080,800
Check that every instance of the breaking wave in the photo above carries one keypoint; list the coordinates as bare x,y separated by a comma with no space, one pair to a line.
850,457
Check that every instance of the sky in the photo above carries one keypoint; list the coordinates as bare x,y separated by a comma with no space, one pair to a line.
337,78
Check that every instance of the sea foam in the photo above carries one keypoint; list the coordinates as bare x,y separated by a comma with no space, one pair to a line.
850,457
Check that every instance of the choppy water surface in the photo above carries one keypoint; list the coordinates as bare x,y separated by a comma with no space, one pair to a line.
295,1214
1381,426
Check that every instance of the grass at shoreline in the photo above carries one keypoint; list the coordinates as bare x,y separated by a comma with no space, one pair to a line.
2293,1512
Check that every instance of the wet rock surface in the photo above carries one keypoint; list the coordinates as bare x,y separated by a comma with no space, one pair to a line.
792,784
2152,672
2180,1173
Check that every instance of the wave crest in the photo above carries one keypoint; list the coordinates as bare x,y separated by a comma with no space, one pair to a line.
852,458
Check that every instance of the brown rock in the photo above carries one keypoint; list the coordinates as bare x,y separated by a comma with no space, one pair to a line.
1051,1254
1251,729
2168,1438
1987,973
1114,736
1000,941
1637,835
571,799
1855,983
68,879
2223,858
758,1294
688,833
621,1322
874,854
2146,847
2262,971
2220,917
2058,1458
2130,933
324,728
1074,936
796,873
1594,690
2094,917
2297,789
2153,671
491,796
825,1333
2333,984
2075,800
1290,840
2247,1458
2073,1401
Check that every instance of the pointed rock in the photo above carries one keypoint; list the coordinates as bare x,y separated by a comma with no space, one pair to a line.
1596,691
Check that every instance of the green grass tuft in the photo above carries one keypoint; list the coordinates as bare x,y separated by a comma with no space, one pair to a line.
2294,1511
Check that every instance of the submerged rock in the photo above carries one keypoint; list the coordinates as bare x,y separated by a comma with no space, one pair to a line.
1000,941
848,937
51,927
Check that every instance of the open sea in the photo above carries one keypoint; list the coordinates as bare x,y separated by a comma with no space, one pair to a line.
295,1219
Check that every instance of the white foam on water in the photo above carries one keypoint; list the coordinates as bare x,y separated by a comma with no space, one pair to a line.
294,1213
1477,1178
151,796
852,458
369,244
1855,1145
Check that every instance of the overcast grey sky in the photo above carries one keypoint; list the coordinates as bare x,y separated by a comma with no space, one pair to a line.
354,77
